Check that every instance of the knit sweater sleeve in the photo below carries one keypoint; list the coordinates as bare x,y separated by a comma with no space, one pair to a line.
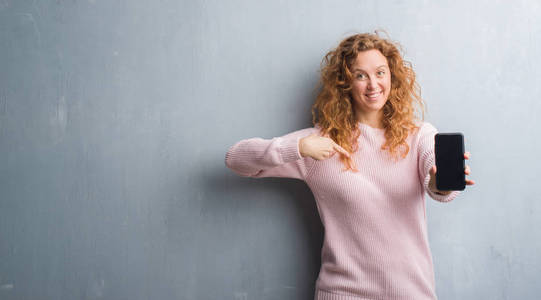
277,157
427,160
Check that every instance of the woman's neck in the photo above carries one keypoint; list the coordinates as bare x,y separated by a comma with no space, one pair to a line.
372,118
372,121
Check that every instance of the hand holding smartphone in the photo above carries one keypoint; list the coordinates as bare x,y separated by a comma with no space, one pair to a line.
450,164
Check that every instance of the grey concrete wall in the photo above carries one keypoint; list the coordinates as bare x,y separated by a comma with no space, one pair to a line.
115,117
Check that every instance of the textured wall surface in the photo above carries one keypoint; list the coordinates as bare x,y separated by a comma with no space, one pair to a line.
115,117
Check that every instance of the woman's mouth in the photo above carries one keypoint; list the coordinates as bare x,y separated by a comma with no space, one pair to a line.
373,96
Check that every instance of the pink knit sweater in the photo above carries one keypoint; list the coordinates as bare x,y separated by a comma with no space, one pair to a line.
376,243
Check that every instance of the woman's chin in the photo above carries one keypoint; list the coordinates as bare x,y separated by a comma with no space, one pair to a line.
374,104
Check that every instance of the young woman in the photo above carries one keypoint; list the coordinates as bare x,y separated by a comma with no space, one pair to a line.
370,196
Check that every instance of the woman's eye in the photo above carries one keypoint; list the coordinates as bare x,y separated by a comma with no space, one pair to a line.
381,72
361,76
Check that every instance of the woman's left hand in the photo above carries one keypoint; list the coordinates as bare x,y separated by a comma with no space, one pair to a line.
432,182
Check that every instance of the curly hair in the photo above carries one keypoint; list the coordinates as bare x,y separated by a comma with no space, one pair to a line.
333,109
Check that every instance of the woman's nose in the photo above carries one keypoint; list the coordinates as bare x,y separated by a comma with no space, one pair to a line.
372,84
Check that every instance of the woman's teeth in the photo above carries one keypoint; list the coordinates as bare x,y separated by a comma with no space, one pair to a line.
373,96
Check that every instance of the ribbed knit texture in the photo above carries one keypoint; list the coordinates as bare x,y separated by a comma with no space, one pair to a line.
376,243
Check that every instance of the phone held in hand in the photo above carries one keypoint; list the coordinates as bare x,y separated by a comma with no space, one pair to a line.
450,164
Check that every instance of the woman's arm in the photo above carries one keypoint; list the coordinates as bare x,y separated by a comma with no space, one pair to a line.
276,157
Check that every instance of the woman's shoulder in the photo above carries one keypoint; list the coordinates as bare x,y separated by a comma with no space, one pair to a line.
424,127
424,131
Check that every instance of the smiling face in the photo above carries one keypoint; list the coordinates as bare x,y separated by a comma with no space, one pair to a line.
371,86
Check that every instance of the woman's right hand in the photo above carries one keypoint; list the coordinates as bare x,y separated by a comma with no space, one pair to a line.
319,147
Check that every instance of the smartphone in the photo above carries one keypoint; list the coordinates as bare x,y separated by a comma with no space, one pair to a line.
450,164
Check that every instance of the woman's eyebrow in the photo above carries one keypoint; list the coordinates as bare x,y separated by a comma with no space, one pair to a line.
359,69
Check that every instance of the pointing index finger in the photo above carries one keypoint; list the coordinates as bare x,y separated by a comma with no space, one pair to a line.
342,150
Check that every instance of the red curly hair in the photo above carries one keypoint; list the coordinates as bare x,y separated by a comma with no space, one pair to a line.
333,109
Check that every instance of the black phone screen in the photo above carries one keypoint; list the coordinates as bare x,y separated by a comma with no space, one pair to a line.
449,151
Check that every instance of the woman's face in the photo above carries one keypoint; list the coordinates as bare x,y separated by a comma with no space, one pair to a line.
371,81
